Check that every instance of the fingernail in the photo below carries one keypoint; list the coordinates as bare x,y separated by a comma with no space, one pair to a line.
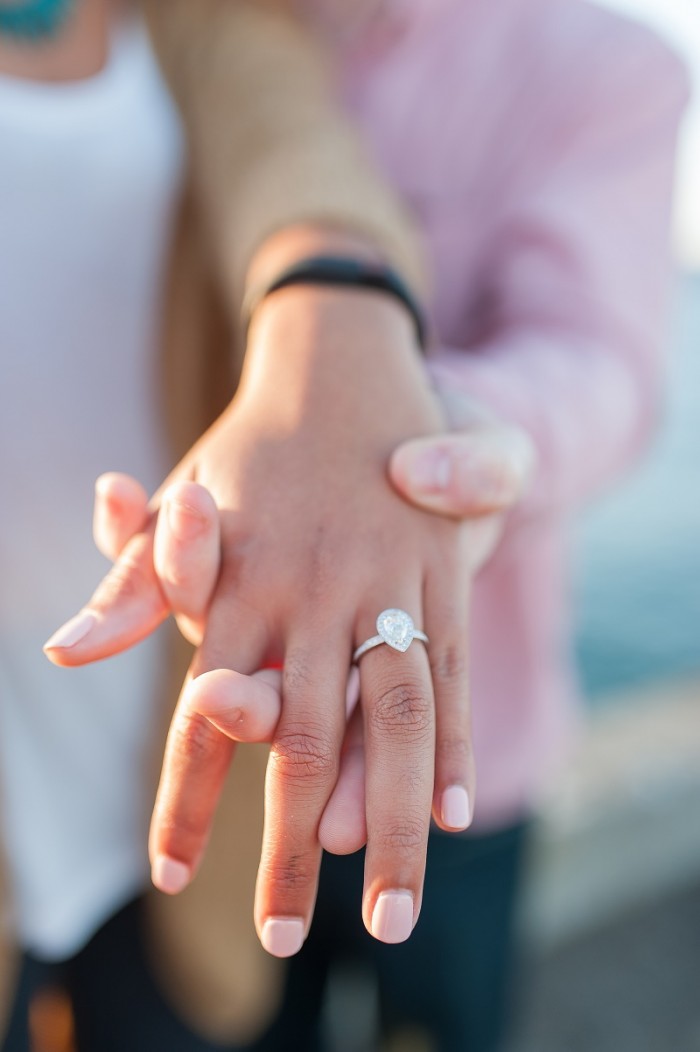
392,919
103,486
170,876
72,632
184,521
454,809
430,471
283,936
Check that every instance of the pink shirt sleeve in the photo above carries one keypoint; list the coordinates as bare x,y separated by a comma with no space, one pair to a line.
574,332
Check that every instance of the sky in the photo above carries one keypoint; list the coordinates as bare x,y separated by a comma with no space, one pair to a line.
679,22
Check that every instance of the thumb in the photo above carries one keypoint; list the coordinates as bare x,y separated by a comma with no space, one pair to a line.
127,606
466,474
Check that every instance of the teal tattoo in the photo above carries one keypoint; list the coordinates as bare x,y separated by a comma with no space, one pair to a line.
34,20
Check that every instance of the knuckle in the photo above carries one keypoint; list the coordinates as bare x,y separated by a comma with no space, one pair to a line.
454,749
293,873
298,677
192,738
239,558
126,580
322,572
180,832
403,711
405,837
411,780
301,756
178,574
449,665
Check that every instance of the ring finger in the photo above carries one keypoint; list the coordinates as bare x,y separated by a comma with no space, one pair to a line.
399,722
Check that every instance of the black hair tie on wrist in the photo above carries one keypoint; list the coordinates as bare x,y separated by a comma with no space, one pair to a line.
342,271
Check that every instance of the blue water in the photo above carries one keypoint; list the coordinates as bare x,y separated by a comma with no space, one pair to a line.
638,579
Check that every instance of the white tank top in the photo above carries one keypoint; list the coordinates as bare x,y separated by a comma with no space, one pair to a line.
89,178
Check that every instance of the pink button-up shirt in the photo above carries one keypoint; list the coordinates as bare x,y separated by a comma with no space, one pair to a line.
534,140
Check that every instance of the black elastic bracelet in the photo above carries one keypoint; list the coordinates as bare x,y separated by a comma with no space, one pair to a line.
341,270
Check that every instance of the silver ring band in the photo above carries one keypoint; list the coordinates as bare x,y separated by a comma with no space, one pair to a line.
396,629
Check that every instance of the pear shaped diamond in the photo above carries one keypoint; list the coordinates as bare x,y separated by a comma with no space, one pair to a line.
396,629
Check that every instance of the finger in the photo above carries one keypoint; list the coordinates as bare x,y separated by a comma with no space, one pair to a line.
484,536
129,602
187,553
352,692
243,708
120,511
399,728
455,779
127,606
301,774
343,827
197,753
470,473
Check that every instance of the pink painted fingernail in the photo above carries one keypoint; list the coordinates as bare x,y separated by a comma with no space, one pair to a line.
392,919
283,936
170,876
72,632
454,808
430,471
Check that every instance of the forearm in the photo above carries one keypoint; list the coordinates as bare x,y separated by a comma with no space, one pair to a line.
270,149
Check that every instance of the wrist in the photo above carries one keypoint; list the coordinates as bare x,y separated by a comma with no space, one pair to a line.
325,257
305,326
303,241
343,272
321,349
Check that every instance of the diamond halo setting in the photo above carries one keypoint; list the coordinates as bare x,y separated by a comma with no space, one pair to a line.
395,628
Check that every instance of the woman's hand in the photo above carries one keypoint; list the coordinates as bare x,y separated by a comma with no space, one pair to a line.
186,555
314,545
477,473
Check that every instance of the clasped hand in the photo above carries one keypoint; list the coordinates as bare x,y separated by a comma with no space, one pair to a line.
277,543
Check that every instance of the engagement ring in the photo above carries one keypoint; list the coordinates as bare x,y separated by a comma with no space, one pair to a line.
396,629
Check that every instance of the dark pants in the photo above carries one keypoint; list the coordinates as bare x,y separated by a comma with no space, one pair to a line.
451,979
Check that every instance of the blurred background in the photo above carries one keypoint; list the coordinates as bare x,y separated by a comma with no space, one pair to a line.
614,908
